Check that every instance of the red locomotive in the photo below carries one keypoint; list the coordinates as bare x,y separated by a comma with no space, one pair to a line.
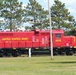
17,43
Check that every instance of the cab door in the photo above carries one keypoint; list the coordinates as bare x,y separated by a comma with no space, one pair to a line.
57,40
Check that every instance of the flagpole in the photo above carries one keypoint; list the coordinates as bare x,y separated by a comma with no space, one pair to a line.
51,42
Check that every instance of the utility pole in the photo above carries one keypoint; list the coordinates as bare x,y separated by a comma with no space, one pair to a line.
51,42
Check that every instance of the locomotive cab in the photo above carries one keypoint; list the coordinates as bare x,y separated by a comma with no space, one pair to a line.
57,41
58,38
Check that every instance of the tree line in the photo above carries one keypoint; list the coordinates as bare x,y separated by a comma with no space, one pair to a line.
15,16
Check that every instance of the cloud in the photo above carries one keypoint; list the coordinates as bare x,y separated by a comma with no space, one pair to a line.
71,6
44,3
23,6
72,10
68,2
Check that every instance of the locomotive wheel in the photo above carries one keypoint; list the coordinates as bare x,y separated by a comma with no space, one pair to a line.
63,53
16,53
1,54
71,53
9,54
55,53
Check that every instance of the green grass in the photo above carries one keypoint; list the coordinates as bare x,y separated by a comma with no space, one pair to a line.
42,65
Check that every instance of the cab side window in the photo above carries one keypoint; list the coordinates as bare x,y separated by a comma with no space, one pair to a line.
58,35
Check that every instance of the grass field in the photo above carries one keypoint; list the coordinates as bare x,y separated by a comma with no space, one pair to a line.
38,65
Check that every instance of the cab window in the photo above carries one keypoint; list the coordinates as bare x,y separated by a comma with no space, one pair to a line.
58,35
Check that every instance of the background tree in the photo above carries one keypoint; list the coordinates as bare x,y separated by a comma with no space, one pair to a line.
73,31
36,14
1,18
61,18
1,1
13,12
